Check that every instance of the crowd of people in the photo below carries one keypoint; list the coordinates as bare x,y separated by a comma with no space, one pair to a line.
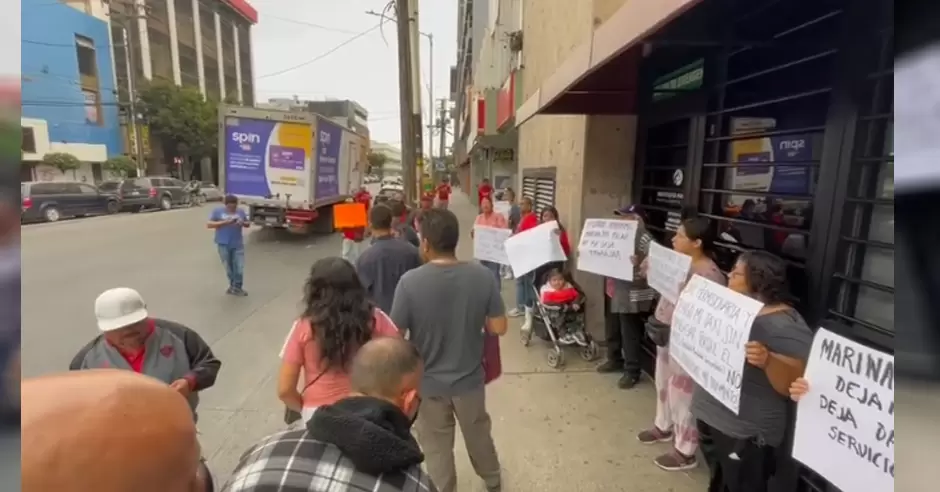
392,350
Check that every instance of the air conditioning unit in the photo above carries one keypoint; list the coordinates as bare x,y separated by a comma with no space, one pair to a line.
515,41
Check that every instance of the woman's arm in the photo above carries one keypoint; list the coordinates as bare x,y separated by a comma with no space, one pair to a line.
287,380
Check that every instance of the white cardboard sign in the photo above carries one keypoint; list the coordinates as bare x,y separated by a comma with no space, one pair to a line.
710,326
533,248
845,424
606,247
489,244
667,271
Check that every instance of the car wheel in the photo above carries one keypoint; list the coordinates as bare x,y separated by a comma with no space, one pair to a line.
113,207
51,214
166,203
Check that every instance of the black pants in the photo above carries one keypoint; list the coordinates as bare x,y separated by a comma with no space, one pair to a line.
623,333
750,472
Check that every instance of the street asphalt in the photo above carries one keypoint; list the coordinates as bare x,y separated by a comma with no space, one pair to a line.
555,430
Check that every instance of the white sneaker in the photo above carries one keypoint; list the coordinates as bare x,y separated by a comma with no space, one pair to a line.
514,313
527,324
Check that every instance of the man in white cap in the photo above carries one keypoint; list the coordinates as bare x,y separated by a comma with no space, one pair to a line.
130,339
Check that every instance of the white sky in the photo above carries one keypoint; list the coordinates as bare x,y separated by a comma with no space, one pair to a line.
366,70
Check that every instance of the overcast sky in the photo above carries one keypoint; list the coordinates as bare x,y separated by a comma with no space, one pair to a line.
365,70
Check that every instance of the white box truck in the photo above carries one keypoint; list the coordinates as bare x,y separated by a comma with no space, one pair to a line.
289,168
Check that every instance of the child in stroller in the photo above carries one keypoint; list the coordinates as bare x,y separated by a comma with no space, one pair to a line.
563,305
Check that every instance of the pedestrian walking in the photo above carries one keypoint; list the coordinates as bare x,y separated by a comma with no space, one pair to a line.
228,222
402,227
443,193
525,295
484,190
354,237
383,264
444,306
131,339
627,305
361,442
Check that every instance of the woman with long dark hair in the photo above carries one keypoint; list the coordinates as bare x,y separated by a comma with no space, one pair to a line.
674,421
549,214
337,319
741,450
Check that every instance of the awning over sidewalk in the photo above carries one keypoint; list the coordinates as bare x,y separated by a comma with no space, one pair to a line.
600,76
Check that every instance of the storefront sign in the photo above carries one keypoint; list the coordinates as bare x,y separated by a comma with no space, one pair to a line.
606,247
481,115
505,102
488,244
710,326
845,424
687,78
667,271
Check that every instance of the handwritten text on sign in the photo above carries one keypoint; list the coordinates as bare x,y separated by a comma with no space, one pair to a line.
606,247
710,326
489,244
845,424
535,247
667,271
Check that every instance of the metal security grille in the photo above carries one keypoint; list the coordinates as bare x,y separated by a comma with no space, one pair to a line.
541,189
766,115
661,191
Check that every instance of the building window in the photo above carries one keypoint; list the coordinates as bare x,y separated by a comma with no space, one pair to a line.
88,78
29,141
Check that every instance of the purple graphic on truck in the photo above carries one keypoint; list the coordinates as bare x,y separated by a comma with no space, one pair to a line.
286,157
329,143
245,150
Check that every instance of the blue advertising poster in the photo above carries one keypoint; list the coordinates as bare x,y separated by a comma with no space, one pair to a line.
797,149
245,152
329,145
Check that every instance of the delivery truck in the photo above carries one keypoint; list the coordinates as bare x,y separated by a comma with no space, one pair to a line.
289,168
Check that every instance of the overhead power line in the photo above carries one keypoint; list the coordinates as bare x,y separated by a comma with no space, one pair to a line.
320,56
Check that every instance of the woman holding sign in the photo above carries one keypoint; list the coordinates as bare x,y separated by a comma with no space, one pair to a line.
741,450
674,421
489,218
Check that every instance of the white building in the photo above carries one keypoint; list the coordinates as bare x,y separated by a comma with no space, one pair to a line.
392,166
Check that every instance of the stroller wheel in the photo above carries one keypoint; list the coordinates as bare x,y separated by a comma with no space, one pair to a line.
589,352
556,358
525,336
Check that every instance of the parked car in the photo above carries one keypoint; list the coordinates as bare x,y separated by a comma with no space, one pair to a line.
211,192
387,193
50,201
158,192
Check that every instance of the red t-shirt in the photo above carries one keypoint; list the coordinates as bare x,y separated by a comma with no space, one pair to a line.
565,245
484,191
358,234
443,192
528,221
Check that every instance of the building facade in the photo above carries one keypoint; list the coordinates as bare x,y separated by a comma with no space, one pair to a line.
193,43
392,165
348,113
772,119
68,90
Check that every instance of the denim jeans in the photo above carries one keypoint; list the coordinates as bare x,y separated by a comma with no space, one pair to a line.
525,297
495,268
233,259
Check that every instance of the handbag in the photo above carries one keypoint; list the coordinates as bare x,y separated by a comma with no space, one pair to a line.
492,362
291,415
657,332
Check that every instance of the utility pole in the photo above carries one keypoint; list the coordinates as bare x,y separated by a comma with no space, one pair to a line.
131,11
442,126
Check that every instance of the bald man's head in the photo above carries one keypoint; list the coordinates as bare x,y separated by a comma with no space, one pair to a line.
107,431
388,368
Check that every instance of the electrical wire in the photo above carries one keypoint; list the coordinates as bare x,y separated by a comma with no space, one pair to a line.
308,24
321,55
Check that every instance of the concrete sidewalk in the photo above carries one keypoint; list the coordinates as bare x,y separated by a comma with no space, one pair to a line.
569,429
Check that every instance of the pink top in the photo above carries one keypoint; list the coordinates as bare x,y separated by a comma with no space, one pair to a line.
494,220
301,348
705,268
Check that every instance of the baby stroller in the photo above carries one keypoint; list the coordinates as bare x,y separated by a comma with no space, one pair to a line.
548,322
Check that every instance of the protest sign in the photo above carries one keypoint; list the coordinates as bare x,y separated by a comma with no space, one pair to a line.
845,423
502,208
533,248
667,271
349,215
606,247
488,244
710,326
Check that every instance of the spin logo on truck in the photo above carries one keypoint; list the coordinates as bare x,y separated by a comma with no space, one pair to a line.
245,139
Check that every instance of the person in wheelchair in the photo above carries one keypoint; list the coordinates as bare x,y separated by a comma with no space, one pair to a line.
563,304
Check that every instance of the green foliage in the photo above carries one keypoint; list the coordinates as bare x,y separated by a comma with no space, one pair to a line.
63,161
121,165
376,161
182,117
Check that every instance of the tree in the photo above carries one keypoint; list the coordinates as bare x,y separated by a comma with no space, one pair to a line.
121,165
184,121
376,161
63,161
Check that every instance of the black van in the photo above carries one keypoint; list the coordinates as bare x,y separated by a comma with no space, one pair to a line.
49,201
